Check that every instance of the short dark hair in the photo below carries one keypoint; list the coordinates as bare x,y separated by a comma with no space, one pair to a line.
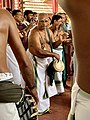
26,12
34,13
55,17
63,13
14,12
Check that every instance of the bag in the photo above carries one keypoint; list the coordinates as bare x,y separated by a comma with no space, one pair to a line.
10,92
50,72
27,108
54,66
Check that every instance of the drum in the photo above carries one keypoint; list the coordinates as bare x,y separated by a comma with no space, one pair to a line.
54,66
58,65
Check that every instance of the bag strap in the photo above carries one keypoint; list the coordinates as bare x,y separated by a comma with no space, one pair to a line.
50,41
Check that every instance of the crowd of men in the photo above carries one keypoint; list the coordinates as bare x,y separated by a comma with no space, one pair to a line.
33,34
28,37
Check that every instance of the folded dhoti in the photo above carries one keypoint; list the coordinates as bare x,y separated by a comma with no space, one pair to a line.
80,104
9,92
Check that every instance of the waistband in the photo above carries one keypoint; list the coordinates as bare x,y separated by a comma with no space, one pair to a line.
6,76
84,94
80,91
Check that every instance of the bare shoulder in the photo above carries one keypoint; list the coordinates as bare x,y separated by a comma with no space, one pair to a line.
5,16
6,20
4,24
3,13
34,35
34,41
70,5
34,31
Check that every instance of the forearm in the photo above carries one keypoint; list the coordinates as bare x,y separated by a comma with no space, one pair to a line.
42,53
28,73
56,44
28,28
25,42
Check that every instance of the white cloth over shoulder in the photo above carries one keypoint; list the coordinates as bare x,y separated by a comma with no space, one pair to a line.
14,67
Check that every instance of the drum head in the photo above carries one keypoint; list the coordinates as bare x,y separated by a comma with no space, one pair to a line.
58,65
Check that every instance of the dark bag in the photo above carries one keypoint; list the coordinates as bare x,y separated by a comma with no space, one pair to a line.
54,66
10,92
27,108
51,72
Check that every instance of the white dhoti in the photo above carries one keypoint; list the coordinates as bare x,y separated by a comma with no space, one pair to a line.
42,82
14,67
58,75
8,111
80,104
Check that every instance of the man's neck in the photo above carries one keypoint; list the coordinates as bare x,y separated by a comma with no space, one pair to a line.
40,29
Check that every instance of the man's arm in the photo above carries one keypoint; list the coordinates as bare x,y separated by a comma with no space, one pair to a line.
55,44
25,64
36,49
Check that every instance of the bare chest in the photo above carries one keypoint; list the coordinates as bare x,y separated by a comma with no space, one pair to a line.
44,40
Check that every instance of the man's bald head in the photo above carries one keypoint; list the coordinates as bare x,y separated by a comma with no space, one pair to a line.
42,15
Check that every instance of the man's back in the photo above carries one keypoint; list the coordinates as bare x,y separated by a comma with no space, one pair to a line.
79,12
8,34
3,40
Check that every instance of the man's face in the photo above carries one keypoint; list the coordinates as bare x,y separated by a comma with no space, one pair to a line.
19,17
63,18
29,17
43,22
58,22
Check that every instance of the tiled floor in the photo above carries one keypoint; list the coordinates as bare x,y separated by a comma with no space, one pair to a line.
60,106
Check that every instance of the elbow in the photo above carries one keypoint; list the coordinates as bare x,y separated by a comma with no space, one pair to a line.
36,52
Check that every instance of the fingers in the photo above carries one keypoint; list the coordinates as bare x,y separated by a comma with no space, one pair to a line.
33,92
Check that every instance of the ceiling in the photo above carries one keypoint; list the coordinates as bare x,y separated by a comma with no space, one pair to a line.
39,6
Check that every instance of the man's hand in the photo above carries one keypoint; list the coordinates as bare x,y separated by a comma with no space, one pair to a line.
34,94
57,56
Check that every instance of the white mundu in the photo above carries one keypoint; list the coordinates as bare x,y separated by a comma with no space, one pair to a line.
8,111
14,67
80,102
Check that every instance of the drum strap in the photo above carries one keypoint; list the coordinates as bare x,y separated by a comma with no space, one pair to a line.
51,46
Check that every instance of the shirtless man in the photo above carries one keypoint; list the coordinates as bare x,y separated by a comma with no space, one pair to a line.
40,49
79,13
40,40
7,27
